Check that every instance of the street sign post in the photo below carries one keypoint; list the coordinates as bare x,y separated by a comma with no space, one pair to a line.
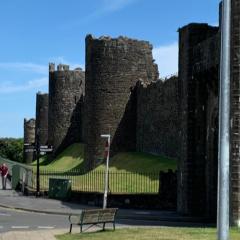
106,169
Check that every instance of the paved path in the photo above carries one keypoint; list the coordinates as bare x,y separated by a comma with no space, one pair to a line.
14,200
31,235
8,185
11,220
54,209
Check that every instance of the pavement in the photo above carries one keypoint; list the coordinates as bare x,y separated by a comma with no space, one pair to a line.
16,200
32,235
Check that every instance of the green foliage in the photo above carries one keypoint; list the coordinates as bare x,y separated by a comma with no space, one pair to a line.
12,149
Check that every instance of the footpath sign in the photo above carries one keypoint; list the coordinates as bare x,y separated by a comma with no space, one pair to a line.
29,147
42,149
45,149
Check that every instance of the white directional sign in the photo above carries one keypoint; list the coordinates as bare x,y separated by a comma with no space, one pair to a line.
46,148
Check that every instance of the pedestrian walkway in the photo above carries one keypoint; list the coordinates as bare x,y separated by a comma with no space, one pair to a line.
8,184
32,235
14,200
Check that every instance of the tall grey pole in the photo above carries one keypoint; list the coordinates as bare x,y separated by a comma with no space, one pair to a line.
224,120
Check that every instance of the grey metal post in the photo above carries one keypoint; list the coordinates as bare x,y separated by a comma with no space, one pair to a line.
106,171
224,125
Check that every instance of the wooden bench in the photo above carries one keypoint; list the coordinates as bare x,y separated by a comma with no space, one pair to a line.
93,217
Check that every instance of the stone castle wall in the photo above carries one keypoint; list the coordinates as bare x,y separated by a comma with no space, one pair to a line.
28,139
66,92
157,118
113,67
42,118
197,93
176,118
235,114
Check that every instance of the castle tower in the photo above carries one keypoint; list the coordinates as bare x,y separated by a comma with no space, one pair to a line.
29,139
66,91
195,104
235,114
113,67
42,117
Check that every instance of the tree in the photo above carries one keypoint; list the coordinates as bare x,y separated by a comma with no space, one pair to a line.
12,148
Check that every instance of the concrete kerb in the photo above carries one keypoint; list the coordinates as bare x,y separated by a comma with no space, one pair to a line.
34,210
120,216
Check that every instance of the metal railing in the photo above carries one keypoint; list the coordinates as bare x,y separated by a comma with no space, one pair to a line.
120,182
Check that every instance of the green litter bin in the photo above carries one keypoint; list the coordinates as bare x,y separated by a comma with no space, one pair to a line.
59,188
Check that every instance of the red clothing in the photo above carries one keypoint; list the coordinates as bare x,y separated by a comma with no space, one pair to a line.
3,170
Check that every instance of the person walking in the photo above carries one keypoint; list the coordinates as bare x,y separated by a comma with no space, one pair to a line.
4,174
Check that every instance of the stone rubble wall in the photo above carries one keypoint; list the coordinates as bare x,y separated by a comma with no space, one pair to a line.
157,118
113,67
66,93
42,118
29,138
235,115
193,105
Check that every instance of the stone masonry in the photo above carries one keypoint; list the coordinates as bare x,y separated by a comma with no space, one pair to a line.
66,92
199,69
113,67
235,114
125,98
157,118
42,118
198,104
29,139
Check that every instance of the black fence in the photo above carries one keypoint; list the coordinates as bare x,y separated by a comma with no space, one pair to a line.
120,182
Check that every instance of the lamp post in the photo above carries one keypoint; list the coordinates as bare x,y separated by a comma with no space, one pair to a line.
106,170
224,124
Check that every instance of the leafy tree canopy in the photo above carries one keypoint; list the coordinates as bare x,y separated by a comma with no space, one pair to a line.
12,148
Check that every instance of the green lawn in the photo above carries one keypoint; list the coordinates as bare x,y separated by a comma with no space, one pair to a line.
70,159
140,162
129,172
161,233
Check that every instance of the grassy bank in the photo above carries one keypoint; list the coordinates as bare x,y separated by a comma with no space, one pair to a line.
72,159
161,233
129,172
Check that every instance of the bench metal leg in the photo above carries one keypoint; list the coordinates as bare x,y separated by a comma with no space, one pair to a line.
114,226
70,228
104,226
81,228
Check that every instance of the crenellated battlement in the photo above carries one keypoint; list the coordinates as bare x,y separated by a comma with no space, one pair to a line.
51,67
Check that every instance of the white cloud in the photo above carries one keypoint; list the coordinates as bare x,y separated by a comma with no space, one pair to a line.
166,57
10,87
29,67
35,84
62,60
115,5
105,7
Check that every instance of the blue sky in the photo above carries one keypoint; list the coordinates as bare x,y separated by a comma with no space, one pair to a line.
34,33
